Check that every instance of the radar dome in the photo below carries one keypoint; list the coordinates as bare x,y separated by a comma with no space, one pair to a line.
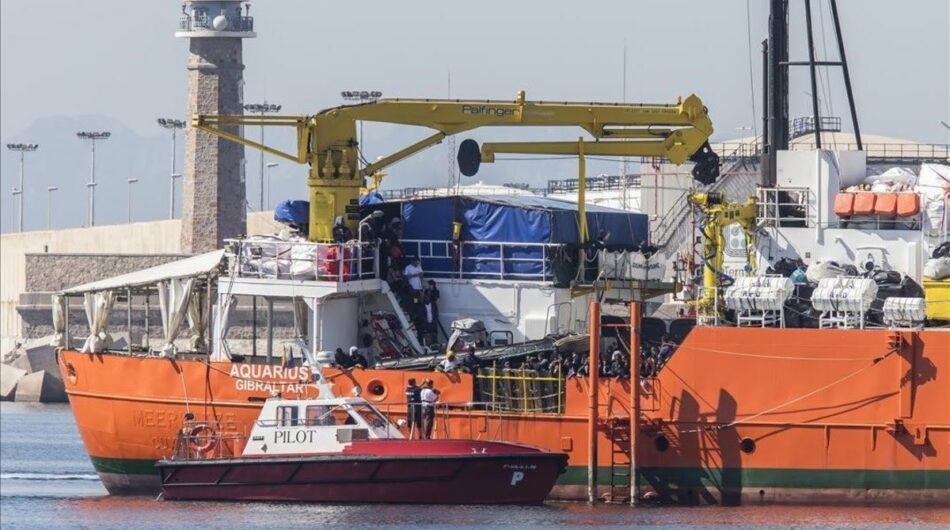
220,23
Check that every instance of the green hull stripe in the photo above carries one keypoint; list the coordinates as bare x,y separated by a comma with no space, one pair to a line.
735,478
124,466
679,477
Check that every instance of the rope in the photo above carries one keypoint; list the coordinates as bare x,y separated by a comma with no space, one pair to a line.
779,357
791,401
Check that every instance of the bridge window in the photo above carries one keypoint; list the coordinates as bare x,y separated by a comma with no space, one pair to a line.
287,416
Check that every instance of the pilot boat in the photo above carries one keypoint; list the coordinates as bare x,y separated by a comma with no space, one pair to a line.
344,450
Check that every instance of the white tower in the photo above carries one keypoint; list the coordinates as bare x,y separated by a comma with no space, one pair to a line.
213,193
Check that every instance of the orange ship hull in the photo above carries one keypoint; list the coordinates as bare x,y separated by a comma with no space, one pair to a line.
738,415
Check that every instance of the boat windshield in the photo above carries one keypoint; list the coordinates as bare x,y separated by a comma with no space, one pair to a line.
329,415
371,416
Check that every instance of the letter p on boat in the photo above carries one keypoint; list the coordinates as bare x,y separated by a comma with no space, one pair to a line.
516,477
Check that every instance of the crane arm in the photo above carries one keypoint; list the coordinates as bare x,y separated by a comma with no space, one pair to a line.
719,214
328,143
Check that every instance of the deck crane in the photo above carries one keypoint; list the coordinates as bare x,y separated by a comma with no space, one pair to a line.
327,141
718,213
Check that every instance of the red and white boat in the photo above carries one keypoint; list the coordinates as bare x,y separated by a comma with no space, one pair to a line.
343,450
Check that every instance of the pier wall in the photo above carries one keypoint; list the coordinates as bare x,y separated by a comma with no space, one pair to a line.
41,261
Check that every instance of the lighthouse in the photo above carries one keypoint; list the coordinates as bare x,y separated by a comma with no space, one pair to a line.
213,195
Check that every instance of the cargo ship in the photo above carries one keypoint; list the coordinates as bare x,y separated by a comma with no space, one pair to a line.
814,370
751,407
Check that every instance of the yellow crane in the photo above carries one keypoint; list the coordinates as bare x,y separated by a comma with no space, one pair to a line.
719,213
327,141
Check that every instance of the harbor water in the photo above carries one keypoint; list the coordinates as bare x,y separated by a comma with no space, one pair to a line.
47,481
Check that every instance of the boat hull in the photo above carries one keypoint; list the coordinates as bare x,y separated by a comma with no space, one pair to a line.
417,479
833,416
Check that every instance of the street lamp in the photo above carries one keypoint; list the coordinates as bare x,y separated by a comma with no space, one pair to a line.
49,206
23,149
262,109
362,96
270,166
92,137
130,181
173,125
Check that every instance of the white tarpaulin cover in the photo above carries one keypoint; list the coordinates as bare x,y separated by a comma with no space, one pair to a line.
58,302
933,184
174,297
185,268
98,307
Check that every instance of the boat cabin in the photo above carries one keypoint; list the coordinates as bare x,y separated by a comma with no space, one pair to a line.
312,426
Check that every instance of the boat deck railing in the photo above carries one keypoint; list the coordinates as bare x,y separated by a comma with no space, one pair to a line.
199,440
483,259
274,258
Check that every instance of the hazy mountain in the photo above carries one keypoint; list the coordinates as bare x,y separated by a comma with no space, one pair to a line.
63,160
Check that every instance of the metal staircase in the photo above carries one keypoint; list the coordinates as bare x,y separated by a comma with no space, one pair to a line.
670,232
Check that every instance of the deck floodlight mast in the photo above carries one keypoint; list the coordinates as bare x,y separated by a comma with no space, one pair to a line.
262,109
23,149
92,137
327,141
173,125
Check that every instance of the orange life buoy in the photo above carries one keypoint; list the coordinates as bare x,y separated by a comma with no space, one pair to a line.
202,439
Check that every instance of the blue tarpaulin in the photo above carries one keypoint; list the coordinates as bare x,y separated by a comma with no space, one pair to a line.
372,197
295,213
519,219
488,220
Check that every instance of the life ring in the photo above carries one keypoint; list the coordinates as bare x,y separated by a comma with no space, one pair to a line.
202,439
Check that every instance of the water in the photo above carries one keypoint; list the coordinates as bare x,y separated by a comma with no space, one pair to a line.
46,481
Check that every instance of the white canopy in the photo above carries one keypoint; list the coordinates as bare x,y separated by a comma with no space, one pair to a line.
185,268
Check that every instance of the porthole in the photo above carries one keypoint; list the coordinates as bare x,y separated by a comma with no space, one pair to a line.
376,390
747,445
661,443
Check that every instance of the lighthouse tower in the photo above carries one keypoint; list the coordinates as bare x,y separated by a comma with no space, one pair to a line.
213,196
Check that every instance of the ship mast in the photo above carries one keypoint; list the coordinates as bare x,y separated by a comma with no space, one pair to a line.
776,134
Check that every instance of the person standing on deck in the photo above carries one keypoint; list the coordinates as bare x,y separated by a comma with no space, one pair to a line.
414,408
413,274
429,396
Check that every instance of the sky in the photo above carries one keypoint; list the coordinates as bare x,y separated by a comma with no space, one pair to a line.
67,65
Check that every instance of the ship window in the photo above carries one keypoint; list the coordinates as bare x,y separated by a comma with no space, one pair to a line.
320,415
286,416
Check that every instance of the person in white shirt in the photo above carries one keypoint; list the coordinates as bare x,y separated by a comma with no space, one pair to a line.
429,396
413,274
449,364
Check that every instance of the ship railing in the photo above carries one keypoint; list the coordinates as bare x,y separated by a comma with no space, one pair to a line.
203,22
483,259
274,258
200,440
877,152
786,207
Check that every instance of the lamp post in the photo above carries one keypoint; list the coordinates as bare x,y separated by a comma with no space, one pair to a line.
49,206
262,109
270,166
362,96
129,204
92,137
173,125
23,149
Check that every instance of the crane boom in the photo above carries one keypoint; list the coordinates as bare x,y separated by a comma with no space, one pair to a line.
327,141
